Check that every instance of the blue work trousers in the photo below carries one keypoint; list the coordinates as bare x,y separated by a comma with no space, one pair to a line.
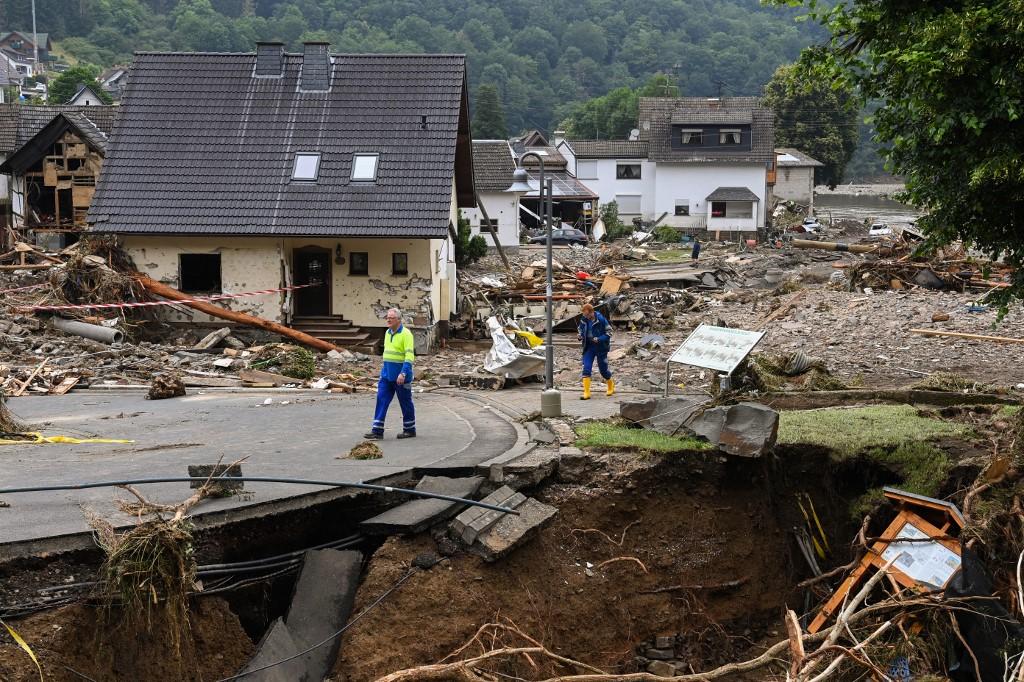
386,390
602,362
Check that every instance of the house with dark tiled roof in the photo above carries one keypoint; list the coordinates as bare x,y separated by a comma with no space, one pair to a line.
693,163
493,164
20,44
50,159
86,96
240,172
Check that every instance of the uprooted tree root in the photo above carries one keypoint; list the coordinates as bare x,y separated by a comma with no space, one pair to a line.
286,359
149,570
8,424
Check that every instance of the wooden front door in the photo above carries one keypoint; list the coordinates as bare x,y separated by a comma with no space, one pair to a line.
312,266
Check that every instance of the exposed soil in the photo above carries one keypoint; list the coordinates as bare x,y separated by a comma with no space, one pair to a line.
69,639
686,528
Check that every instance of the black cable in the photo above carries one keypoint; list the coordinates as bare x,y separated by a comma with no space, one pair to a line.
333,636
260,479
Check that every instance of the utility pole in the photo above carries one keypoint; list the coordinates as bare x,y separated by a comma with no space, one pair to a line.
35,41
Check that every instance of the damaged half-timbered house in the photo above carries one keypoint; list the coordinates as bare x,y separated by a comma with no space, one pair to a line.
51,159
242,172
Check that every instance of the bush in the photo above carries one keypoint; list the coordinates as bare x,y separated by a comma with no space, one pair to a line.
613,225
667,234
468,249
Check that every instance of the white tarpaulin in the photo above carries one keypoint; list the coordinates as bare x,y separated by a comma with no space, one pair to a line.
504,359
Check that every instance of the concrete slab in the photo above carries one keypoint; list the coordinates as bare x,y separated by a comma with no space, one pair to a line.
277,644
469,526
418,515
298,434
511,531
321,605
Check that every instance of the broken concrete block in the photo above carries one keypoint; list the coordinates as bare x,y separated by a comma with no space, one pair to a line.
419,514
745,429
539,433
664,415
471,523
213,338
660,654
322,603
277,645
511,531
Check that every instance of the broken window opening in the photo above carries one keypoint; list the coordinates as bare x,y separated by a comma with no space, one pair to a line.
358,263
717,209
199,273
399,264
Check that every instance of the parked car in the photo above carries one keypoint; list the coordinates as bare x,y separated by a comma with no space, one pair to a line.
563,237
879,230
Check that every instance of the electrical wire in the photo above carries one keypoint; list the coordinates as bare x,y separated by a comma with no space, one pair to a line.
260,479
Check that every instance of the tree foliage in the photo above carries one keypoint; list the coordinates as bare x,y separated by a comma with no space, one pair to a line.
816,117
950,77
65,86
489,117
468,248
615,114
539,54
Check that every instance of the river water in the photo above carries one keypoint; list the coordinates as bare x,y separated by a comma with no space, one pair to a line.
864,206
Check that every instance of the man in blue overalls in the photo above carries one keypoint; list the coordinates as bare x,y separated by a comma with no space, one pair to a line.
395,378
595,334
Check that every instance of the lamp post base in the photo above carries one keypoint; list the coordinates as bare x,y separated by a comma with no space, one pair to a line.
551,403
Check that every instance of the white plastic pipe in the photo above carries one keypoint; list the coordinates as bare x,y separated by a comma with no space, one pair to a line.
87,331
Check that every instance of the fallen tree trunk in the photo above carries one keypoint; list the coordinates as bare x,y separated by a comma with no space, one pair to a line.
835,246
170,293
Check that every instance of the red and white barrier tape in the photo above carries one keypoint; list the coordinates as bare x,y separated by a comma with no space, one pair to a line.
147,304
32,286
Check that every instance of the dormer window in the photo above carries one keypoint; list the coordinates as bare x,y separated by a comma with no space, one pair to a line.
364,167
307,167
729,136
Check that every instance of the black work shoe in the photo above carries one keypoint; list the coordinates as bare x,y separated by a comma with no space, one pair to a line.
406,434
373,436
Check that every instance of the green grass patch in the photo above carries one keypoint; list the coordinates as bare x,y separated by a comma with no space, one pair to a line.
1010,410
674,255
922,466
849,431
605,436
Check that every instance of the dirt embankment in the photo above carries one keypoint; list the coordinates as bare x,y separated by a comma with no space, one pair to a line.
68,639
633,557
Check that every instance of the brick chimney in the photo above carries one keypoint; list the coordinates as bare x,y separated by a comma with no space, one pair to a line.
316,67
269,59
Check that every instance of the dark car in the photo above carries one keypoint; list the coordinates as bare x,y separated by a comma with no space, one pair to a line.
562,237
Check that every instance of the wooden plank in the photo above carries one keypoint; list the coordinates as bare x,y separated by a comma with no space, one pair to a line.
50,175
81,195
21,391
64,386
972,337
611,285
258,376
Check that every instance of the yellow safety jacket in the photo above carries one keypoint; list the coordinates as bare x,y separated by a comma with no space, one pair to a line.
399,354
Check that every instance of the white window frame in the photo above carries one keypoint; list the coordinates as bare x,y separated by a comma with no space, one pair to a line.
364,157
586,169
632,197
306,157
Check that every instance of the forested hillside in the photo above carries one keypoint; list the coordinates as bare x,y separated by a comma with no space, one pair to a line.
542,56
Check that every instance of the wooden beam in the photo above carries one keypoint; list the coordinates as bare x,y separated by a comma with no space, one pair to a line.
971,337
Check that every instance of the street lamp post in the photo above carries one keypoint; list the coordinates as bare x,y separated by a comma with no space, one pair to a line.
551,400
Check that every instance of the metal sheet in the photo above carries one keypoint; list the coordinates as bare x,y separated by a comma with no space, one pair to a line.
718,348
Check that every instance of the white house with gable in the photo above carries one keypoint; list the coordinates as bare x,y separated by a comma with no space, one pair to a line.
493,163
701,165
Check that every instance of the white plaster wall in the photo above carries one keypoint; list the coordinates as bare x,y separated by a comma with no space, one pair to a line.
503,207
86,99
696,181
607,187
795,184
252,263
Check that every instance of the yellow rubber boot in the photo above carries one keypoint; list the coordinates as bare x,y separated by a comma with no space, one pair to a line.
610,384
586,389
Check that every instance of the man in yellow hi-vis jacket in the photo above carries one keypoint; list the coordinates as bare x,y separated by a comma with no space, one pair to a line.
395,378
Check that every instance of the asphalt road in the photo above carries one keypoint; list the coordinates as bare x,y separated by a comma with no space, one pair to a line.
297,435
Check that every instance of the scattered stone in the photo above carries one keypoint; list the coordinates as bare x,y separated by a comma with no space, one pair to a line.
511,531
661,669
664,415
211,340
166,386
664,642
660,654
468,525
